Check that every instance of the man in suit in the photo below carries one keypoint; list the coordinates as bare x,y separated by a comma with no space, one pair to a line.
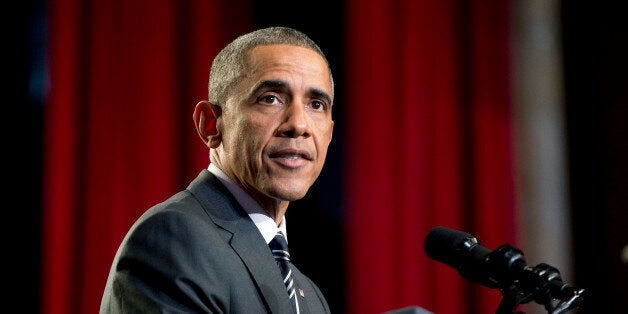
267,124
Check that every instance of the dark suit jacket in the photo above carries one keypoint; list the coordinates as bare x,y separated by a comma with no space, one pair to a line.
199,252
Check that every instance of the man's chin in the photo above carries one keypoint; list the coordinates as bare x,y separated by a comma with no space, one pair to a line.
289,194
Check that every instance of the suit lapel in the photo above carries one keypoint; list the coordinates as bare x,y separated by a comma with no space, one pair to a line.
246,239
254,252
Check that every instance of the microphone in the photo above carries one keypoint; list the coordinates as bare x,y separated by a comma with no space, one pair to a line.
503,268
473,261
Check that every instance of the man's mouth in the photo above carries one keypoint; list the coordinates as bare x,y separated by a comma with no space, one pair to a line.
291,154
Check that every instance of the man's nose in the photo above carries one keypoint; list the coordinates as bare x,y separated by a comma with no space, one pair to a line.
295,121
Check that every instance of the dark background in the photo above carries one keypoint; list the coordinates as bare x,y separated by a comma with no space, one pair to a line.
595,40
595,43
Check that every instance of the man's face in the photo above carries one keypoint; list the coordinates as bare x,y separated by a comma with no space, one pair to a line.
277,125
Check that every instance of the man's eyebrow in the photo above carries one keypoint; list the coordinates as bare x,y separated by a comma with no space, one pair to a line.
283,86
270,84
317,93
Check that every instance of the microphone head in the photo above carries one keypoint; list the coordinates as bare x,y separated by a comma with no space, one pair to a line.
443,244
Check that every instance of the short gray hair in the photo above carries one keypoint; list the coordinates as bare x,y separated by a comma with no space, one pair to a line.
230,63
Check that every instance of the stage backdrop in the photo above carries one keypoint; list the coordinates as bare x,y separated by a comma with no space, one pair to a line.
426,126
429,142
125,77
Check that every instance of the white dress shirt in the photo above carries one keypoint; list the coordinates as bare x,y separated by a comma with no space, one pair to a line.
264,223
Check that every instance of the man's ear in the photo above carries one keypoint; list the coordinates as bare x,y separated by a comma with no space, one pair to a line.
205,117
331,133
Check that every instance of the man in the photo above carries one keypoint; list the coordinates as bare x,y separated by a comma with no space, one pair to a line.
268,124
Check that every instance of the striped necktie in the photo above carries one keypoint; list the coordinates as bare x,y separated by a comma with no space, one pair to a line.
279,247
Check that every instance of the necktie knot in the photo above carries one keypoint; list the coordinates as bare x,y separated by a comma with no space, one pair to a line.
279,247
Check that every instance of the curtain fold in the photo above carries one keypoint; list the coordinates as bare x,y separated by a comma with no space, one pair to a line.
125,77
428,143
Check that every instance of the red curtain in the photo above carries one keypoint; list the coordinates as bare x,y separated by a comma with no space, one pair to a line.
428,136
427,131
125,76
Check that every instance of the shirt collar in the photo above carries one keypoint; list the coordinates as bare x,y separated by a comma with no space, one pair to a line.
264,223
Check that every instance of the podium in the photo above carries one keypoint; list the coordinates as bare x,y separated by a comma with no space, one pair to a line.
409,310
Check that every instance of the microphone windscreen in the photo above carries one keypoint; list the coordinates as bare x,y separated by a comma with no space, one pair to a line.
441,244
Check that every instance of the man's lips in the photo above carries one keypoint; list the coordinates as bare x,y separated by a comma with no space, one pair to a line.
291,154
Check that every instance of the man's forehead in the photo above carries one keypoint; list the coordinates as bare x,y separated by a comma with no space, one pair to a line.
294,65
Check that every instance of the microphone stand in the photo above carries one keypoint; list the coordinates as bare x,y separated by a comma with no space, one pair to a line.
541,283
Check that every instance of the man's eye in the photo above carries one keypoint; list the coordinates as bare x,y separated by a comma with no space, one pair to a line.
269,99
317,105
